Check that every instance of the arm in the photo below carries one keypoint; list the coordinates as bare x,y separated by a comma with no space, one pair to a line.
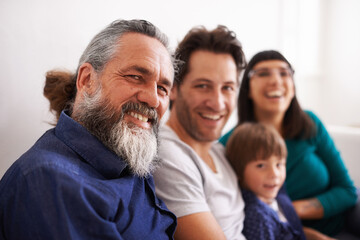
312,234
188,192
341,193
309,208
199,226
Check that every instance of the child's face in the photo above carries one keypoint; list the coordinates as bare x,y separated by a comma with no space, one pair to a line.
265,177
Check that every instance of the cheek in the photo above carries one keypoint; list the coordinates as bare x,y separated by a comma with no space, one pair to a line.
291,88
163,106
249,176
253,90
173,93
232,102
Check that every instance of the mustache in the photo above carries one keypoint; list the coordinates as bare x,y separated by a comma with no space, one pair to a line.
143,109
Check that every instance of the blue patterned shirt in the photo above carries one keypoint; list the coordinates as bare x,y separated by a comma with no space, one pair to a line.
262,222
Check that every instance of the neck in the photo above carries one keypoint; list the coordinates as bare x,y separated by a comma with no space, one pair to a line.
274,119
200,147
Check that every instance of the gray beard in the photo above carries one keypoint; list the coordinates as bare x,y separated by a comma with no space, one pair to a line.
137,146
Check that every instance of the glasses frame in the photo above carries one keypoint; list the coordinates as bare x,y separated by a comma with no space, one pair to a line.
254,71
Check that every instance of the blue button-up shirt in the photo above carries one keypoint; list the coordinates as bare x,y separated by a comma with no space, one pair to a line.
70,186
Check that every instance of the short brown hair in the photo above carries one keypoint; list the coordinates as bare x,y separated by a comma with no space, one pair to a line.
218,40
252,141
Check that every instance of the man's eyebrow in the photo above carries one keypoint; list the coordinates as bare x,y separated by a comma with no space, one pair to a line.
205,80
199,80
139,69
146,71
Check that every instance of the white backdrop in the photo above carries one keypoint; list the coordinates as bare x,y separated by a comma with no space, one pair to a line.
320,38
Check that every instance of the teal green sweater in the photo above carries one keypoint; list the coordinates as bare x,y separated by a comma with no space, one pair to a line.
314,168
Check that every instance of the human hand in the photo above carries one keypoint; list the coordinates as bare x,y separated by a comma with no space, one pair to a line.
312,234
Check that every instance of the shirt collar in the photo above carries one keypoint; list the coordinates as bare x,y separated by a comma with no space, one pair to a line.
94,152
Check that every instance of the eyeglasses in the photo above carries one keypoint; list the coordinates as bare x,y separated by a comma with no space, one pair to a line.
266,73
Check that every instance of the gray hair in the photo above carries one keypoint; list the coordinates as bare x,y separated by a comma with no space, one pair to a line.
103,46
101,49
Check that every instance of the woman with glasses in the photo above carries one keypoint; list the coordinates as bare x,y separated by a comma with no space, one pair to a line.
317,180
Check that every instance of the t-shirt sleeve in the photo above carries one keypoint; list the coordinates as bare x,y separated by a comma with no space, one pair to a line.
178,181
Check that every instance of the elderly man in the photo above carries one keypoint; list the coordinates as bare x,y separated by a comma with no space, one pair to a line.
196,182
90,176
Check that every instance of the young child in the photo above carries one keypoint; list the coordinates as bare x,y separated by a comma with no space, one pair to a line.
258,155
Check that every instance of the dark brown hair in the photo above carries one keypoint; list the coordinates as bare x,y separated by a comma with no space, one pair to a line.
219,40
250,142
296,123
60,90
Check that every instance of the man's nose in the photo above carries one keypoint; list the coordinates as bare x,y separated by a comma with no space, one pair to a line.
149,95
216,100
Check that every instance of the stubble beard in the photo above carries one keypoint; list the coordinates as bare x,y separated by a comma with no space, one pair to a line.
189,123
137,146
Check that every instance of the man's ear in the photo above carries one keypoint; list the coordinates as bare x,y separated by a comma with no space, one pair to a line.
173,93
85,79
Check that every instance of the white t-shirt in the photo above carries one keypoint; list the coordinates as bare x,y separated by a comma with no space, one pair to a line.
187,185
275,206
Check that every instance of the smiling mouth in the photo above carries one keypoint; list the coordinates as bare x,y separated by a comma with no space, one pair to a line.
270,185
140,117
275,94
213,117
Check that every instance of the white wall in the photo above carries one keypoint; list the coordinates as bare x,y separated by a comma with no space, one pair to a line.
320,37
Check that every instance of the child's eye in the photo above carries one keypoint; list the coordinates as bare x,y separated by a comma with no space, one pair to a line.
260,165
280,164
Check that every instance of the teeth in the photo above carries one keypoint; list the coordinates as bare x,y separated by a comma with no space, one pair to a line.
276,93
139,116
212,117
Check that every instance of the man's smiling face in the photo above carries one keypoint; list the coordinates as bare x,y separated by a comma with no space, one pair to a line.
207,95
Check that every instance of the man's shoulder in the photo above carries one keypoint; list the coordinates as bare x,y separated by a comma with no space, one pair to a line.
47,152
172,147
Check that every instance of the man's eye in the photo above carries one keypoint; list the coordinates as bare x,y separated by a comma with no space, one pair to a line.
228,88
136,77
163,90
201,86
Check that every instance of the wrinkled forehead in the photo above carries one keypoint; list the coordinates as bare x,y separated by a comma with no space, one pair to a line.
148,51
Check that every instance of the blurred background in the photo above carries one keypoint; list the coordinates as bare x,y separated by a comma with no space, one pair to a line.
321,38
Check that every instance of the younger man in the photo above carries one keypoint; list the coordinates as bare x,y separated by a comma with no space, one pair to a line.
195,181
